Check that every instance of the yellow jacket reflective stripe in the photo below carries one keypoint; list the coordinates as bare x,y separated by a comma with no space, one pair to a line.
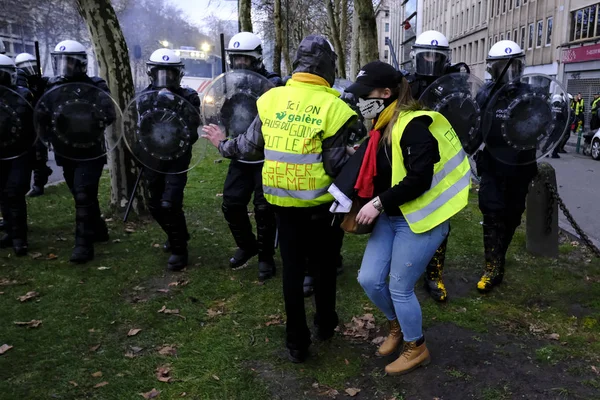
596,103
578,107
295,120
449,191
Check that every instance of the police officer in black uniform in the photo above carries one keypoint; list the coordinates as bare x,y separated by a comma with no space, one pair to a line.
82,168
15,166
36,84
505,179
245,178
165,70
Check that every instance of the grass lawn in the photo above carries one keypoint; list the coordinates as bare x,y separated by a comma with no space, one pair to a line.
221,335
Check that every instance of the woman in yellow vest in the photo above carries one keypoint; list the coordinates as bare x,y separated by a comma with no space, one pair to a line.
418,176
301,131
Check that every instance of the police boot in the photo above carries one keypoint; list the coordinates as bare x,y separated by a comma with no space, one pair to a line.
241,229
392,341
18,218
265,235
493,242
433,274
84,236
414,355
100,230
309,286
176,228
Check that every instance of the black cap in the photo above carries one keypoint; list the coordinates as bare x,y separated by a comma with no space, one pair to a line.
375,75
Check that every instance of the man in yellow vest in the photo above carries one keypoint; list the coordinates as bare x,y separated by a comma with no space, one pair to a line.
595,120
301,131
579,108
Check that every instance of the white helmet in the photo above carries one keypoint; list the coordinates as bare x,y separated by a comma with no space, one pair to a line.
165,69
69,59
8,71
430,53
498,57
245,51
28,63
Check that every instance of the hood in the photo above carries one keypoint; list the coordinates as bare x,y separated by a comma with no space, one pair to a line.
316,56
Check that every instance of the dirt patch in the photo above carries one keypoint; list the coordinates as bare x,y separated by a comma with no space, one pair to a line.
153,288
465,365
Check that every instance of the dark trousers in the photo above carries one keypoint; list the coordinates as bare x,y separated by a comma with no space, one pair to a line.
303,230
41,171
83,179
242,182
14,184
166,206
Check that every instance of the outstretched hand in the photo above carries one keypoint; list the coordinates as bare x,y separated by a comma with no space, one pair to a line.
213,134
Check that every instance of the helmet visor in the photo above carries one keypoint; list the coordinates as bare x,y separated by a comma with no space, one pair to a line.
514,71
431,62
8,76
165,77
69,65
242,61
30,67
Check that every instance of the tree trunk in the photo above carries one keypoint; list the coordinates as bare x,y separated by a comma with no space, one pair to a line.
369,50
355,47
286,40
113,59
244,15
344,30
278,38
335,33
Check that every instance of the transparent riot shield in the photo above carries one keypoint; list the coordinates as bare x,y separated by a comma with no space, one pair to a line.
341,84
78,121
17,134
453,96
162,131
525,119
230,100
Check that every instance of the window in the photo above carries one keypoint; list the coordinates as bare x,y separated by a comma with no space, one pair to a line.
530,41
522,37
387,40
387,13
524,2
17,47
508,35
502,36
482,49
29,49
510,4
385,54
514,36
503,6
517,3
467,21
477,15
540,33
585,23
498,10
473,18
387,27
549,31
470,54
496,39
476,52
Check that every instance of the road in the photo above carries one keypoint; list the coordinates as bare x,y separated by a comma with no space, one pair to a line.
578,179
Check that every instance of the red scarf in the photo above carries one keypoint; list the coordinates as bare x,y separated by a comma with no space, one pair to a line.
368,169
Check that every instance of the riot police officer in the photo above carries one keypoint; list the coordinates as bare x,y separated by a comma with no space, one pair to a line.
82,169
244,177
431,60
36,84
504,183
15,165
165,70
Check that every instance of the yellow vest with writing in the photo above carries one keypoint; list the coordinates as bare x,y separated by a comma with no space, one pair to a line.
296,118
449,191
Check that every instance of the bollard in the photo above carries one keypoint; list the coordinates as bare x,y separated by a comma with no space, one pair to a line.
542,214
578,146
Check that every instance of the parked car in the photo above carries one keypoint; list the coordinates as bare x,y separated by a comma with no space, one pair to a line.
595,146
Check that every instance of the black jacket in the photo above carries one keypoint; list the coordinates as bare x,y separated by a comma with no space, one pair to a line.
22,135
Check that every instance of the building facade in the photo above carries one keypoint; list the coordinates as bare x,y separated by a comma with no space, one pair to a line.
382,18
17,38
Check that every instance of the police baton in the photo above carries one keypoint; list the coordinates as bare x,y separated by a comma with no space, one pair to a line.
38,59
135,186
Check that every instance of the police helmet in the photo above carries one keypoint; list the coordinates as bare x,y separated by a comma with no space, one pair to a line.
69,59
498,57
430,54
165,69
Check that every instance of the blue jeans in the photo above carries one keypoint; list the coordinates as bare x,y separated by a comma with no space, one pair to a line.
394,250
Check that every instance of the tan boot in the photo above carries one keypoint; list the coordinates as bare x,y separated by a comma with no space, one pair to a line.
412,357
392,341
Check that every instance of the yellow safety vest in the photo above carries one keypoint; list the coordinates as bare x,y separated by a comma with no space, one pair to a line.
449,191
595,104
578,107
295,120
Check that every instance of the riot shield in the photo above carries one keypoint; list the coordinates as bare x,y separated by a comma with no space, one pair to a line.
161,131
526,119
78,121
341,84
230,100
17,134
453,96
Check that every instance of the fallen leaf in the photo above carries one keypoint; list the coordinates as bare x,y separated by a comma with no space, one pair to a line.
163,290
27,296
315,385
73,383
352,391
34,323
133,332
92,330
156,245
274,320
360,327
553,336
4,348
1,292
219,194
183,394
595,370
163,373
61,239
51,256
117,241
331,393
94,348
97,374
129,230
165,310
151,394
136,349
129,355
162,309
168,351
213,313
266,340
378,340
103,268
216,378
99,385
346,361
35,256
179,283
